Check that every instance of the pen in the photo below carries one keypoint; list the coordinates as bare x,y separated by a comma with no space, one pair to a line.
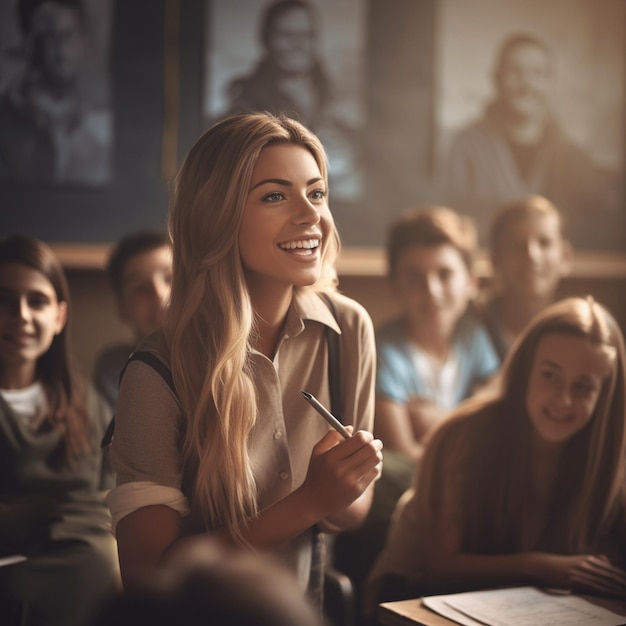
325,413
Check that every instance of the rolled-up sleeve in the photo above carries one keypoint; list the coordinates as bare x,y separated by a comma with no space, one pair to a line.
145,451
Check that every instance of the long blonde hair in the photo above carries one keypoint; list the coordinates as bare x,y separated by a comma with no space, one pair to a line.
494,437
210,319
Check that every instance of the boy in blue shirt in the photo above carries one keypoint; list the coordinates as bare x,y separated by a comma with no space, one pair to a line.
436,353
430,357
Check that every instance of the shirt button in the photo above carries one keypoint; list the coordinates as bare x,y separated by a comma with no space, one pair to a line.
278,434
284,475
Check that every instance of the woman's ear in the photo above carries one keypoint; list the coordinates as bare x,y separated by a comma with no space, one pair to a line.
61,317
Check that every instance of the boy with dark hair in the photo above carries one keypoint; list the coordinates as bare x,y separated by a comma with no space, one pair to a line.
140,271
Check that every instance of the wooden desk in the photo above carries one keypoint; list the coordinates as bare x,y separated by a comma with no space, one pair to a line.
410,613
413,613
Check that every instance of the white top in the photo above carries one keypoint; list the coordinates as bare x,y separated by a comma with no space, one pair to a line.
28,404
441,379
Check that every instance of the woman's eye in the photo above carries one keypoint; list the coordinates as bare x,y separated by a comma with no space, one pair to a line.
584,388
274,197
318,194
38,302
547,374
144,289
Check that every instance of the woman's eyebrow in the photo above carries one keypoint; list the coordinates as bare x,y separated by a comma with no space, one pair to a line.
551,364
285,183
589,378
275,181
30,292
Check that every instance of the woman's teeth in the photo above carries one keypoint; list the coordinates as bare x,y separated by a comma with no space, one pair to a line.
307,244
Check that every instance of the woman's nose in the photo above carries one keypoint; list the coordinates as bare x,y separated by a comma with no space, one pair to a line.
563,395
23,310
307,212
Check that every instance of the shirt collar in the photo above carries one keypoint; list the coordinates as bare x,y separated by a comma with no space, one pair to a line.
307,305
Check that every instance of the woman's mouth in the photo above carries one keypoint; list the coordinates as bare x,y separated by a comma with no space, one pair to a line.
18,339
303,247
554,417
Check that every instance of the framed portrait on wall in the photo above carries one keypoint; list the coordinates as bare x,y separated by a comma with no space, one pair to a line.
532,99
304,59
56,118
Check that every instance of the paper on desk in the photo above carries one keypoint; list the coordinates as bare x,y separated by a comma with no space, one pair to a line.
522,606
439,605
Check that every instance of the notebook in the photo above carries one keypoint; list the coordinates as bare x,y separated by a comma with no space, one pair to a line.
521,606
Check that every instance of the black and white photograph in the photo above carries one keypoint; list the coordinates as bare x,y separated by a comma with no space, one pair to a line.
532,100
56,118
303,58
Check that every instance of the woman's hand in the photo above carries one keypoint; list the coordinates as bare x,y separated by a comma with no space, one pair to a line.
340,470
583,573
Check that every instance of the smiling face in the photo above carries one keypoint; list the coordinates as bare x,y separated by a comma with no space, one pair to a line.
565,382
57,40
434,285
286,219
524,80
291,41
30,316
532,256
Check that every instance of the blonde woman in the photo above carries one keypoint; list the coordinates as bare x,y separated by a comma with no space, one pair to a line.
233,452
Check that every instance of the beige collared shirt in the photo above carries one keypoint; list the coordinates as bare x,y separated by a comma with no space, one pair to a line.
145,451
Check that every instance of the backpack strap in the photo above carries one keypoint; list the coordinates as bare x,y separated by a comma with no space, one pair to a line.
151,359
